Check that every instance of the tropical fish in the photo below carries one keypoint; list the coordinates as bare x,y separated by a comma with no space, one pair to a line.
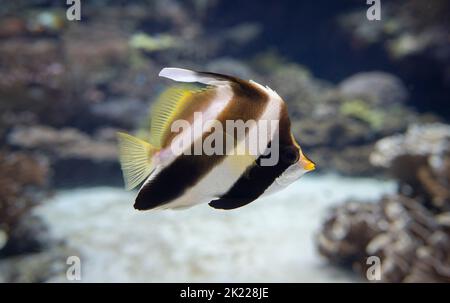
238,172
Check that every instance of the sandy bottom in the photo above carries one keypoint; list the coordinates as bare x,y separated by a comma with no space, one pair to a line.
270,240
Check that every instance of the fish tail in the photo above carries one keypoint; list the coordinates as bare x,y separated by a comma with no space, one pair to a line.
135,157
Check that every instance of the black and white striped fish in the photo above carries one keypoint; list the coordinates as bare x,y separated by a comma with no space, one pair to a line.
225,180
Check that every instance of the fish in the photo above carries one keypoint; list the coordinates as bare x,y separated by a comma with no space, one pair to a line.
175,169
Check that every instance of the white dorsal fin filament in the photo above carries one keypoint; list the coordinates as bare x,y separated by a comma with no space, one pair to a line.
186,75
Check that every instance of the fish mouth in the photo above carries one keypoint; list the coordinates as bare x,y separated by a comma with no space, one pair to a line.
307,164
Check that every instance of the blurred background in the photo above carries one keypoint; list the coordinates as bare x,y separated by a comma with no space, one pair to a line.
369,103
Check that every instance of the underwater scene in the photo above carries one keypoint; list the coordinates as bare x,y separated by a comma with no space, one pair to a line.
91,189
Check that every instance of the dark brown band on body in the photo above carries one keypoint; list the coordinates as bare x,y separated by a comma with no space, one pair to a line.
248,102
257,179
250,186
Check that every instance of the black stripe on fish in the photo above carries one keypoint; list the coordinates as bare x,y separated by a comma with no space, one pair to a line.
174,180
255,181
187,170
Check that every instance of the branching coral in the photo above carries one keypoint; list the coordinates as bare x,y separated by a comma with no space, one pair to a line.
410,241
409,232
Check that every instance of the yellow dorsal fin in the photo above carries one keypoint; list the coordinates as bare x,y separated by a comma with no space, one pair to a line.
135,157
167,108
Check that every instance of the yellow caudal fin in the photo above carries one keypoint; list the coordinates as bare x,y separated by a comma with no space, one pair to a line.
135,157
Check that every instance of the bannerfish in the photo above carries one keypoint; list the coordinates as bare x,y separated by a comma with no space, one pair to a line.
228,179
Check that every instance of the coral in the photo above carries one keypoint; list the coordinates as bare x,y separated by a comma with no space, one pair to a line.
378,88
410,242
404,34
409,231
353,160
378,99
420,160
424,140
347,231
359,110
22,184
89,160
420,35
414,35
33,80
64,143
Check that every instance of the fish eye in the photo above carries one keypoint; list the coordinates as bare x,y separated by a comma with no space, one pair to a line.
290,155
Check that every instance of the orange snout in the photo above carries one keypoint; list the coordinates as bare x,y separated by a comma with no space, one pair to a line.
306,164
